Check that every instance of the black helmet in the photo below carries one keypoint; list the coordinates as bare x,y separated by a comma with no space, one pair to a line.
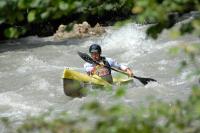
95,48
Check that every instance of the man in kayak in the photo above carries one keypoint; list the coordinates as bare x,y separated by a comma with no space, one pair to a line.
101,70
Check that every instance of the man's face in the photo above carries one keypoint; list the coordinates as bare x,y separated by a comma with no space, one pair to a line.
95,56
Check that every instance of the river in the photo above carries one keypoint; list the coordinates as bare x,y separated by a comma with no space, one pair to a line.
31,70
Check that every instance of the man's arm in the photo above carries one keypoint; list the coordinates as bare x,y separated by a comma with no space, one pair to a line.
124,68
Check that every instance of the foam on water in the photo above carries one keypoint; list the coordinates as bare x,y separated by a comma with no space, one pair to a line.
128,41
31,70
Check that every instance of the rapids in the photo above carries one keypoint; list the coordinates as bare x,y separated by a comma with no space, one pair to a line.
31,70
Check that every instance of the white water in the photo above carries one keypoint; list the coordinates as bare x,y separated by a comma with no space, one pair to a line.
31,70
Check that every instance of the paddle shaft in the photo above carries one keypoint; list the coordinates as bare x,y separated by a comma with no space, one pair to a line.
124,73
120,71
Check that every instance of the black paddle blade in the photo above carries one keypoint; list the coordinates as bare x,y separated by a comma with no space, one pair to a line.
145,80
86,57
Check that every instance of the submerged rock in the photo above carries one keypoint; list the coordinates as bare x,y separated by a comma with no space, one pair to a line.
79,31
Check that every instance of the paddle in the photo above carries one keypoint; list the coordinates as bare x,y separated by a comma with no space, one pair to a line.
88,59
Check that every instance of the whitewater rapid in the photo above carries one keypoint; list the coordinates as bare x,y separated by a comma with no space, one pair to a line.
31,70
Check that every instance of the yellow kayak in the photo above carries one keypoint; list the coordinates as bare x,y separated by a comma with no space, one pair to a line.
74,81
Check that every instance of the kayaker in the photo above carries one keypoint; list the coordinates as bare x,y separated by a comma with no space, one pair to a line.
101,70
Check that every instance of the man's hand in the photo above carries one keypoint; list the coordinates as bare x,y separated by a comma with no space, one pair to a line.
130,72
92,72
101,64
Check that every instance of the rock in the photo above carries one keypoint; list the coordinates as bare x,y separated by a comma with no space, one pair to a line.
98,29
61,28
79,30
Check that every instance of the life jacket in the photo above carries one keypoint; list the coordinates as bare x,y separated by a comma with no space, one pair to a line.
104,72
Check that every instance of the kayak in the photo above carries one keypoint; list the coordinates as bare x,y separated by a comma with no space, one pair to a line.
74,81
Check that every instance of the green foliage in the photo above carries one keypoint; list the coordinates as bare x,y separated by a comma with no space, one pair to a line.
24,12
120,92
62,124
121,23
11,32
14,32
192,51
31,15
158,117
165,13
